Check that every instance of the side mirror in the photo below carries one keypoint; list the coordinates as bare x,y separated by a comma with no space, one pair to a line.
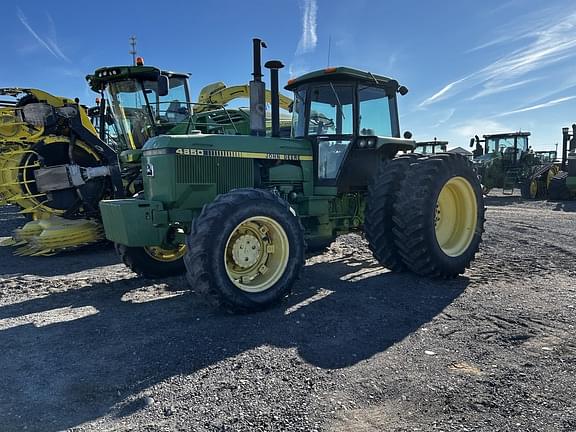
472,141
402,90
163,85
407,135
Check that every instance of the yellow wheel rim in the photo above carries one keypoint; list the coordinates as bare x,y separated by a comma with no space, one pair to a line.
256,254
166,255
456,216
533,188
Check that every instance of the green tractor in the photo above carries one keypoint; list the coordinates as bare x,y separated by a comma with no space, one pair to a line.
430,147
563,184
507,161
249,207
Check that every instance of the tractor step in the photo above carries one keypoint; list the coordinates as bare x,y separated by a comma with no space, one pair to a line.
510,181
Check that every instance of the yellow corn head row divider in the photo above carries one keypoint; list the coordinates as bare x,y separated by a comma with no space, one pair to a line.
49,236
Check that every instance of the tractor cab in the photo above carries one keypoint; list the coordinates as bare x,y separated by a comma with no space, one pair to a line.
143,101
430,147
511,148
351,119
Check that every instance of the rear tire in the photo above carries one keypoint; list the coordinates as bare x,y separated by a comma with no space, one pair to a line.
439,216
378,222
143,263
245,250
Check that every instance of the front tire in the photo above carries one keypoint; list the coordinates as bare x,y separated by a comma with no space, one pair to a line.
439,216
245,250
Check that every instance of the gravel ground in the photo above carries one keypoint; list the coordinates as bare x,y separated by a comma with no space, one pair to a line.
86,346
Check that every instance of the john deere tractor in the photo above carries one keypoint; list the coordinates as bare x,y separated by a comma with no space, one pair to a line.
506,161
249,207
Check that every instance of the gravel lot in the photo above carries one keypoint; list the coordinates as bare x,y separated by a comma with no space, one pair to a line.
86,346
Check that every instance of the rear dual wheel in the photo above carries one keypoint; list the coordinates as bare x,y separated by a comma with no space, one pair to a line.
437,216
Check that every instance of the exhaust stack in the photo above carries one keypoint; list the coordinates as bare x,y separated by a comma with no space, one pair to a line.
275,66
565,141
257,92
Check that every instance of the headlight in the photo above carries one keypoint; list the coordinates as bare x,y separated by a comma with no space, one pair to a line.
362,143
371,142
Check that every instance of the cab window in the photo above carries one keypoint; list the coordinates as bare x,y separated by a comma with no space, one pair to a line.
298,117
330,156
374,112
331,110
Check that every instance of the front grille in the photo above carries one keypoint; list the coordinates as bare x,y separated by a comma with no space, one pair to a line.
226,173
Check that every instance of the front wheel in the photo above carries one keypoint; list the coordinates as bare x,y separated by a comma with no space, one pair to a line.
245,249
439,216
153,262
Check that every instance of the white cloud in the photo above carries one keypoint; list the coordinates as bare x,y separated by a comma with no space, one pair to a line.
550,42
539,106
445,118
47,43
442,94
308,39
473,127
490,90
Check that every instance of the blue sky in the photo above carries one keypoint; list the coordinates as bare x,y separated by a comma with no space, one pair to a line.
471,66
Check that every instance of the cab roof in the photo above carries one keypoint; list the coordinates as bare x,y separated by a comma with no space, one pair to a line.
342,73
508,135
104,75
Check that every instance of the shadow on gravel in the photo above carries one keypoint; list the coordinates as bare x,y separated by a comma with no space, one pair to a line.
503,200
85,258
60,374
565,206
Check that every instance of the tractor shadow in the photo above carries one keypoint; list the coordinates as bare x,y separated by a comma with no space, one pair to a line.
85,258
564,206
503,200
60,371
63,264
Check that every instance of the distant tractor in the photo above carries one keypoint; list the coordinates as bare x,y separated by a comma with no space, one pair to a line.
506,161
430,147
563,184
248,207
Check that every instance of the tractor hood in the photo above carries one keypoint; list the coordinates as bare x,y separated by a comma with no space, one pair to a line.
235,146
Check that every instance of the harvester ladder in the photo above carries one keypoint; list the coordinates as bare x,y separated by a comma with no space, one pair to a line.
510,180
